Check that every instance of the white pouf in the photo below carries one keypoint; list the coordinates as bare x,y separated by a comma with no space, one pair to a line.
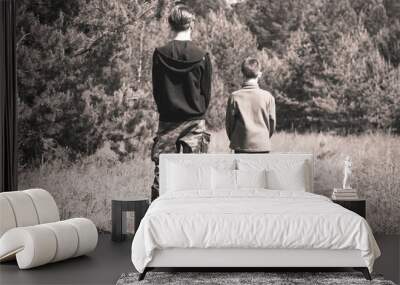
31,232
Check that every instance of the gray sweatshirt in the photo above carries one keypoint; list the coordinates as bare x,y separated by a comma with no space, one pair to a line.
250,118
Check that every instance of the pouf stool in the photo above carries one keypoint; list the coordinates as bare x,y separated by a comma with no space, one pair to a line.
31,231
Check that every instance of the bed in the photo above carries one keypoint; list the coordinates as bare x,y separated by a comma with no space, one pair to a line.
241,210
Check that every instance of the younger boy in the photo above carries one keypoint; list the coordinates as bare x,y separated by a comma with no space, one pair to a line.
250,114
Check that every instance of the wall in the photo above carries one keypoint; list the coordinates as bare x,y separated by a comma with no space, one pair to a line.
87,117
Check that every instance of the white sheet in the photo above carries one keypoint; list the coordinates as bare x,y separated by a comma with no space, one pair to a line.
252,218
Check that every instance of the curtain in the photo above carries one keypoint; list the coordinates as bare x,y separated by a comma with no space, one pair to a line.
8,98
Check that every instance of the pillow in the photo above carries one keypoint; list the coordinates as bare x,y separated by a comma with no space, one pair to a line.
281,174
182,177
223,179
251,178
293,180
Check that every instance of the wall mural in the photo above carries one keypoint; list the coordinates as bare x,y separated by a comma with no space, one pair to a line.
87,117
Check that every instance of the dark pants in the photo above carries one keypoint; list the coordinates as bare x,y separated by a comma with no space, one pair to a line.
177,137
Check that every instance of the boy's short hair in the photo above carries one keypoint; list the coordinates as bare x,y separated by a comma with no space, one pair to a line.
180,18
251,67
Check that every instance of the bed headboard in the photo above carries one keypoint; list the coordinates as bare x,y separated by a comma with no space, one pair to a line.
279,161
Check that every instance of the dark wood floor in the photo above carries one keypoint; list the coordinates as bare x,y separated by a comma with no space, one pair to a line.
110,260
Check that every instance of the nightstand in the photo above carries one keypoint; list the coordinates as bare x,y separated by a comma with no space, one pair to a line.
119,207
358,206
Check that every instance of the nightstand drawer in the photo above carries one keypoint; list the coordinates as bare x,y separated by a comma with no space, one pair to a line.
357,206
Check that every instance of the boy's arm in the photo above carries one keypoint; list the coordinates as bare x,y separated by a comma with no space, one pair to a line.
154,73
206,80
272,117
230,116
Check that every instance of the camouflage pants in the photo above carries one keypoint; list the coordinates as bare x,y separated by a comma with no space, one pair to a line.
172,137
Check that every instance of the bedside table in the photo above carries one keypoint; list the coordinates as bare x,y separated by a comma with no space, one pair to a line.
358,206
119,207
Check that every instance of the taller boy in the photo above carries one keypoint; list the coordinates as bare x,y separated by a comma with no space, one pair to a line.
182,90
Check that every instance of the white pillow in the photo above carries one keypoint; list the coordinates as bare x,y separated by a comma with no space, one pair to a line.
281,174
183,177
223,179
293,180
251,178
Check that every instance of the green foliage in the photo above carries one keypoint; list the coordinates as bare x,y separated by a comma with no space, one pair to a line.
332,65
77,69
388,41
271,21
203,7
228,49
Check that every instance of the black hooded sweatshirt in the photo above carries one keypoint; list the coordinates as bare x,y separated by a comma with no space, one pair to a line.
181,81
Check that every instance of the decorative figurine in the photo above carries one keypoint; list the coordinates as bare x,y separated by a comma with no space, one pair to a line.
347,173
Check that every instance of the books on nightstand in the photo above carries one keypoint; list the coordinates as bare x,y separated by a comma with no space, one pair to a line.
344,194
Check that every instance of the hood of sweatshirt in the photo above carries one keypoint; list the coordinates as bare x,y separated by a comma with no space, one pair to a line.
180,56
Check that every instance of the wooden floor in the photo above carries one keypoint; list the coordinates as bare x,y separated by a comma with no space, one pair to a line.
110,260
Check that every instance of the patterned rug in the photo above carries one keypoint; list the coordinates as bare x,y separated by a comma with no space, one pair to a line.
243,278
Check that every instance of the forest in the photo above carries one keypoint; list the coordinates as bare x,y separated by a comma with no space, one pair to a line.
84,68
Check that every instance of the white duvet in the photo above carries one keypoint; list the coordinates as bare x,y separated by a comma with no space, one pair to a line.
252,218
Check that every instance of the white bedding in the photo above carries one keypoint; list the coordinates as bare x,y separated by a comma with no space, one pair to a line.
251,218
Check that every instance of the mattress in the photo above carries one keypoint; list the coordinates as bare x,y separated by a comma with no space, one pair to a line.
250,219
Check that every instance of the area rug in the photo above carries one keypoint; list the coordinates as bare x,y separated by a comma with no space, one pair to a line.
244,278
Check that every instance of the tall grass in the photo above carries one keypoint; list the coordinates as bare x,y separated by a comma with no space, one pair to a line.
87,187
376,168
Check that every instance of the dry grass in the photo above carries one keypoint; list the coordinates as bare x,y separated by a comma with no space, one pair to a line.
86,188
376,169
